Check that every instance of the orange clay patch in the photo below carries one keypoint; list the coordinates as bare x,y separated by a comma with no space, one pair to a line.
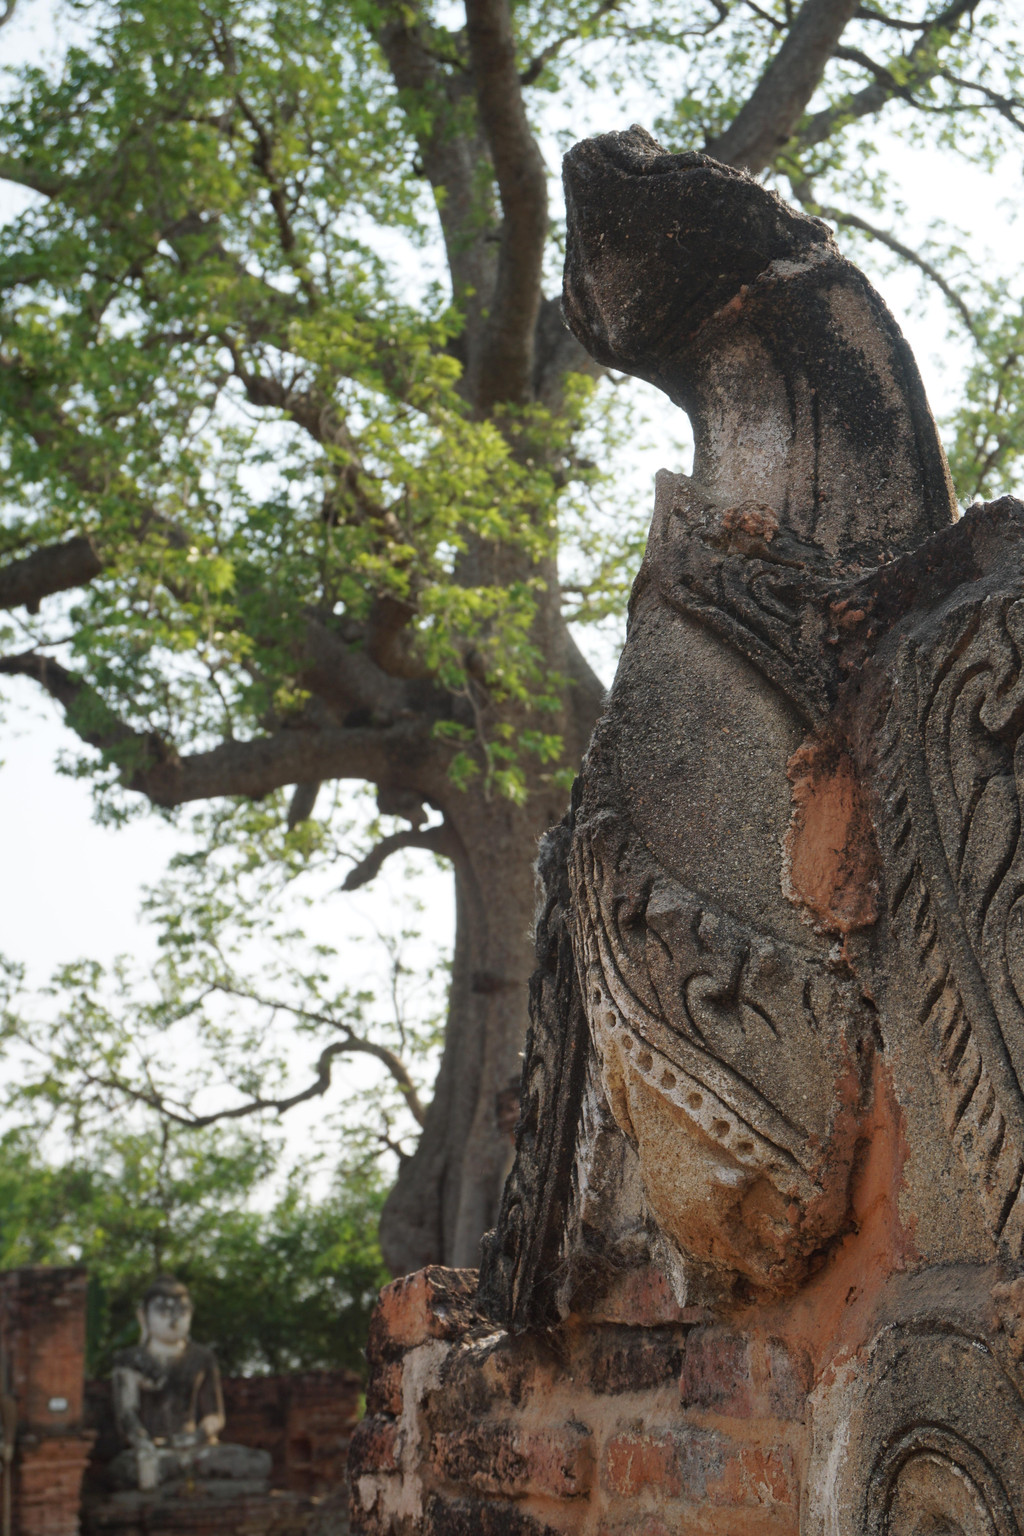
751,518
830,863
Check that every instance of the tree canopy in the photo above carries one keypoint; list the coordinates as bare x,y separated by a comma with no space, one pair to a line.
281,1280
298,457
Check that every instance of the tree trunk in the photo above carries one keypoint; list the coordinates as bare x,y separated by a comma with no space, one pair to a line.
448,1193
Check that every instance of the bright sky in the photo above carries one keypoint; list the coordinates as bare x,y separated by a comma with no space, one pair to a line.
71,888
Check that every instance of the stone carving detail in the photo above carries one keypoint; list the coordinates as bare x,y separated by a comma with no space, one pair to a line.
788,901
950,750
773,1096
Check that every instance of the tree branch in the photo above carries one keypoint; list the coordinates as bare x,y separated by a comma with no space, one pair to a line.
865,13
920,66
263,160
767,120
1006,106
539,62
89,716
506,361
854,221
53,568
303,803
348,1044
450,159
151,766
434,839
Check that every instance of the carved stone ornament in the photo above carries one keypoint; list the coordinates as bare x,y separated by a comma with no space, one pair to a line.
791,886
777,1042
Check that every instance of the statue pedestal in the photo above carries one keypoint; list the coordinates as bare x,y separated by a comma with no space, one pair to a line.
211,1509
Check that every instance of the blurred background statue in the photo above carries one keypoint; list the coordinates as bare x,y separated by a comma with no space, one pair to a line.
168,1403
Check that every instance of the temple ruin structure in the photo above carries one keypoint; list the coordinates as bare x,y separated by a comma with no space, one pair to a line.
758,1270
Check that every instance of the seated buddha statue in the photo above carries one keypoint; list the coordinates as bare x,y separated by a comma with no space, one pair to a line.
168,1404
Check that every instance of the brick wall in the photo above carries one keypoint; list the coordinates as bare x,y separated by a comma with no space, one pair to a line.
305,1420
645,1420
42,1352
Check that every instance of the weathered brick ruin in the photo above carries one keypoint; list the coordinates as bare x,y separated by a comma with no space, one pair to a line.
759,1267
42,1348
645,1416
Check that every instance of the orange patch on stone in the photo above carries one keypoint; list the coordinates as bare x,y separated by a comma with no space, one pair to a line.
831,1316
830,858
752,518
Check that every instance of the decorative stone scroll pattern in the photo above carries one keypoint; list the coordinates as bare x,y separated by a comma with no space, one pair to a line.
923,1432
950,748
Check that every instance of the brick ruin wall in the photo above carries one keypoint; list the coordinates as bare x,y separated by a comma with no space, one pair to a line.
643,1419
42,1349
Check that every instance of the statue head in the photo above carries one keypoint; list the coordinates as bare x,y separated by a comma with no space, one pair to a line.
165,1313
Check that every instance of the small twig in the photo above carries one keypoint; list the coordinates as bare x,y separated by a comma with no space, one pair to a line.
433,839
538,63
854,221
865,13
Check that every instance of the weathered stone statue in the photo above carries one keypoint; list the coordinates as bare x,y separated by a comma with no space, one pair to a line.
168,1404
771,1151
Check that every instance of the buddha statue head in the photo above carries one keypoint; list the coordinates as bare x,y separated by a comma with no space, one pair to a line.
165,1317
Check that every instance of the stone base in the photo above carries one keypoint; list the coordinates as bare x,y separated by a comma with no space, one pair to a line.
208,1509
645,1419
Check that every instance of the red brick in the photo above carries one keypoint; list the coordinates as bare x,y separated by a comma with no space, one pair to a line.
716,1372
48,1484
756,1477
498,1458
789,1380
651,1525
478,1517
42,1325
42,1337
641,1298
677,1462
632,1359
433,1303
369,1522
384,1389
636,1461
374,1447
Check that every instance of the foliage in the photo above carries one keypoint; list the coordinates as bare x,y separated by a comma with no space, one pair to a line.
231,360
282,1282
242,1014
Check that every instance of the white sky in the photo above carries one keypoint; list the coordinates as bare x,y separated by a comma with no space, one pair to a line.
71,888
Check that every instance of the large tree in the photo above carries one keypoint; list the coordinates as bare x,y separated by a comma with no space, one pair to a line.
294,434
